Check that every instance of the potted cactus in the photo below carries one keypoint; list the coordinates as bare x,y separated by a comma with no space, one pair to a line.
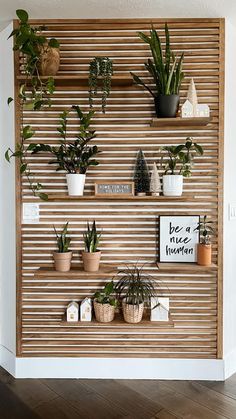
105,304
91,255
204,248
135,287
62,258
178,165
166,72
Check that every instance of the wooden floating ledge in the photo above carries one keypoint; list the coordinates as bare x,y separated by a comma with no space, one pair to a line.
185,267
63,197
105,270
82,80
180,122
119,321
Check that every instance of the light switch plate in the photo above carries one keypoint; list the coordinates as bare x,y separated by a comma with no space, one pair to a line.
30,213
232,211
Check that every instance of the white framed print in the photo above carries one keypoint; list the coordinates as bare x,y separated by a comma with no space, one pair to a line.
178,238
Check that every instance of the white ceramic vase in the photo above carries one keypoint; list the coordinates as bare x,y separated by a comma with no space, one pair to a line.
172,185
75,184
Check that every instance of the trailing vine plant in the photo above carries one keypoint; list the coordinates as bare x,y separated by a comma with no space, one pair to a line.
100,68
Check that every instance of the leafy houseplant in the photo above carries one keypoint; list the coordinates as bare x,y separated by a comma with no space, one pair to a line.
136,287
74,157
62,258
101,68
166,71
105,304
178,165
141,175
91,255
41,58
204,249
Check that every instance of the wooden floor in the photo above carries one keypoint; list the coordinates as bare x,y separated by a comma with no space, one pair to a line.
113,399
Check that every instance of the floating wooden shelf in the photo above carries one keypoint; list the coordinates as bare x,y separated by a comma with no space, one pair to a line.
82,80
64,197
119,321
181,267
180,122
105,270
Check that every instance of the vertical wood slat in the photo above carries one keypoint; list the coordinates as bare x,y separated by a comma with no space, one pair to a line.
41,304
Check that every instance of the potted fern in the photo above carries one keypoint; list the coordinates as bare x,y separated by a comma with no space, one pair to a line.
105,304
74,157
178,165
135,287
166,72
204,248
62,258
91,255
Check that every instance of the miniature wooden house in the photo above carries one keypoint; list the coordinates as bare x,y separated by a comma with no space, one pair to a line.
187,110
202,110
72,312
86,310
160,312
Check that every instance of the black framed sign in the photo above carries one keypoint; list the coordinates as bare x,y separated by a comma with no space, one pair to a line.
178,238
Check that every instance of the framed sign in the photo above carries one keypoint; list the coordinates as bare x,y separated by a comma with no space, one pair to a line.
178,238
110,187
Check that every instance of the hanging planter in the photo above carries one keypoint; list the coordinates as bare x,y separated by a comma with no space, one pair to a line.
49,60
166,72
100,73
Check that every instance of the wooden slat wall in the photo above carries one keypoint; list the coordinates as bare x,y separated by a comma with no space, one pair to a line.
130,229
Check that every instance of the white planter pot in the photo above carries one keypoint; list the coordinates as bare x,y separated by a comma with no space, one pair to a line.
75,183
172,185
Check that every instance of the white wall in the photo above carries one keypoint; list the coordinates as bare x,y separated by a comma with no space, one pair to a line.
7,199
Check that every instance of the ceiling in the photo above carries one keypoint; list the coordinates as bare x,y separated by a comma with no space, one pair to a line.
116,9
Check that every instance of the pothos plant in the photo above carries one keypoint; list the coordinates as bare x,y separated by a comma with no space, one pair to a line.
100,68
105,295
34,92
180,157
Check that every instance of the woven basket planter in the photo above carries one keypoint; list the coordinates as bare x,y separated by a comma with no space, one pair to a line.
132,313
104,313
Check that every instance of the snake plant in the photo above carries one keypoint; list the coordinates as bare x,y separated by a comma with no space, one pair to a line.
91,238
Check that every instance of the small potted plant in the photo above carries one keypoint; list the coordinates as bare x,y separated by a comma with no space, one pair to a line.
166,72
178,165
74,157
134,287
91,255
101,68
105,304
62,258
204,248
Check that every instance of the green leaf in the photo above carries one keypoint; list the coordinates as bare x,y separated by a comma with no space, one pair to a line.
7,157
22,15
43,196
53,43
198,148
23,168
9,100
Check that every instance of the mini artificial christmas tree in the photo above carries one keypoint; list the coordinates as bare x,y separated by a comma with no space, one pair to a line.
155,184
141,175
192,96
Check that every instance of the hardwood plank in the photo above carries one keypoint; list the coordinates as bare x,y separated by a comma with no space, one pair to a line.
11,407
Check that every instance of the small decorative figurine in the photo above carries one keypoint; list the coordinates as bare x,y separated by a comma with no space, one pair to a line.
72,312
159,309
86,310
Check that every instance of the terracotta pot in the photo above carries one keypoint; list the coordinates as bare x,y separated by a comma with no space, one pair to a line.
49,61
104,313
62,261
132,313
91,261
204,254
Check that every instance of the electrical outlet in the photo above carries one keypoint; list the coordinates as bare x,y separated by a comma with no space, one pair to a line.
30,213
232,211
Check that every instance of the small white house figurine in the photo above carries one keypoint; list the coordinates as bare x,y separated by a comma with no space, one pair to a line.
86,310
155,183
202,111
161,311
187,110
72,312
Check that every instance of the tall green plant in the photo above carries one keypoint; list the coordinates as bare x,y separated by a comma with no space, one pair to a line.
180,158
91,238
164,68
63,241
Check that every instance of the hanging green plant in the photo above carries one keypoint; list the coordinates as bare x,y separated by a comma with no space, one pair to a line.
101,68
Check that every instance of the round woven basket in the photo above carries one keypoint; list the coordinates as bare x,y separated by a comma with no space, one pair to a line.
104,313
132,313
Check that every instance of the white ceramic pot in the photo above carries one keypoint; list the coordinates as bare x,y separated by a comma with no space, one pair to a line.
75,183
172,185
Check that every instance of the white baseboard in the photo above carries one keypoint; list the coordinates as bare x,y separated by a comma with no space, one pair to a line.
230,364
118,368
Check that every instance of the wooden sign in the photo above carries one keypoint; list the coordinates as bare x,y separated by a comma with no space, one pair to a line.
179,238
110,187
